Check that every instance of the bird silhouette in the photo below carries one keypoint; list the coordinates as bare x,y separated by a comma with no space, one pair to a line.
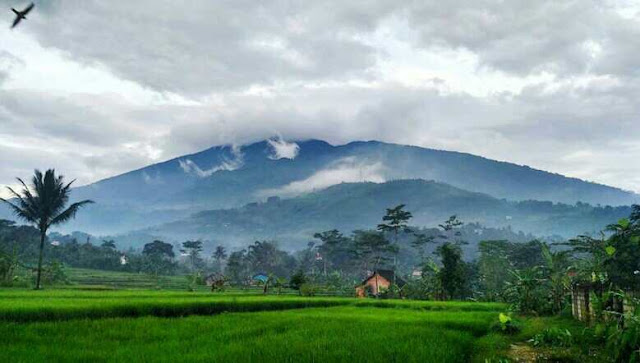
21,14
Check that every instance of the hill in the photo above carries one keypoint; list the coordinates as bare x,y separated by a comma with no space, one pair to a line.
351,206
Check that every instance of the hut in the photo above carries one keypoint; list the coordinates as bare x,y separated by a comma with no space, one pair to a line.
379,281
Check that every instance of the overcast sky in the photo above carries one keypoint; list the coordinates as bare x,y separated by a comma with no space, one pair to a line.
95,88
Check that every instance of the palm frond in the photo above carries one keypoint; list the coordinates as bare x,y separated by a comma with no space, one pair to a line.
25,204
19,212
62,194
69,213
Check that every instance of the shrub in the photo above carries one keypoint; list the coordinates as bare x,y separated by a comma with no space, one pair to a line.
393,292
297,280
506,324
308,289
55,273
552,337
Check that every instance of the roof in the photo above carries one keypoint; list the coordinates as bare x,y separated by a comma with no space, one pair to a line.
387,274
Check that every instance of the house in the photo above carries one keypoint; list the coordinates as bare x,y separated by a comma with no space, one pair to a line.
379,281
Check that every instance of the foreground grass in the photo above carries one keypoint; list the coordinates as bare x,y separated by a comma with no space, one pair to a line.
317,334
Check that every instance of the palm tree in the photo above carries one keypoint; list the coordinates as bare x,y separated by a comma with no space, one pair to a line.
43,205
220,254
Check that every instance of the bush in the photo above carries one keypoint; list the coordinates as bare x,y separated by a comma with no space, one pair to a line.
506,324
308,289
393,292
297,280
552,337
55,274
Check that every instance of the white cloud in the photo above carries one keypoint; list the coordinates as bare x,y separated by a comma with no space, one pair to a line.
282,149
190,167
347,170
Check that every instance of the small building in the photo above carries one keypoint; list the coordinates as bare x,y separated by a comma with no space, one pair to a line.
379,281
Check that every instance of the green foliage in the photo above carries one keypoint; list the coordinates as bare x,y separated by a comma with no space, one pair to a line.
372,249
452,275
623,332
297,280
55,274
528,292
158,258
392,292
335,251
308,289
194,280
506,324
553,337
193,249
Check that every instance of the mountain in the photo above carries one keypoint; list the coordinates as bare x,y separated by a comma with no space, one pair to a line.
351,206
225,177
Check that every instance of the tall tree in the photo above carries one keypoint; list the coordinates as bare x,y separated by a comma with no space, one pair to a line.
453,272
334,250
192,249
219,255
420,243
451,230
158,257
43,205
372,249
236,268
394,221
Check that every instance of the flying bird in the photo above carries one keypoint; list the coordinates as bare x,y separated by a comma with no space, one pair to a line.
21,14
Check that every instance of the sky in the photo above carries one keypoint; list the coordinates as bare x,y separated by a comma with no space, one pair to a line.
96,88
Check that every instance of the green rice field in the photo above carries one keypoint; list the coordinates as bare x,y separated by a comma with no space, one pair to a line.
146,325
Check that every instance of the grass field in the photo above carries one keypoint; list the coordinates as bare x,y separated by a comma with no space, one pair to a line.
146,325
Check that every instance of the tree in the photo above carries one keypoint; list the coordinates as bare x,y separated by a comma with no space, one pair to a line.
264,256
556,265
43,205
394,221
420,242
334,250
108,244
158,257
613,257
372,249
192,249
452,275
219,255
236,267
451,230
297,280
492,264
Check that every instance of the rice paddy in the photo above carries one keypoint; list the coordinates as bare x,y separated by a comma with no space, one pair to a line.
146,325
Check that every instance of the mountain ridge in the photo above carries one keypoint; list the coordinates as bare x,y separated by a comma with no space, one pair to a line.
351,206
224,176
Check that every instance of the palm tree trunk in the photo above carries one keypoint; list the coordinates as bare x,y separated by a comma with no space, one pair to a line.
43,235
